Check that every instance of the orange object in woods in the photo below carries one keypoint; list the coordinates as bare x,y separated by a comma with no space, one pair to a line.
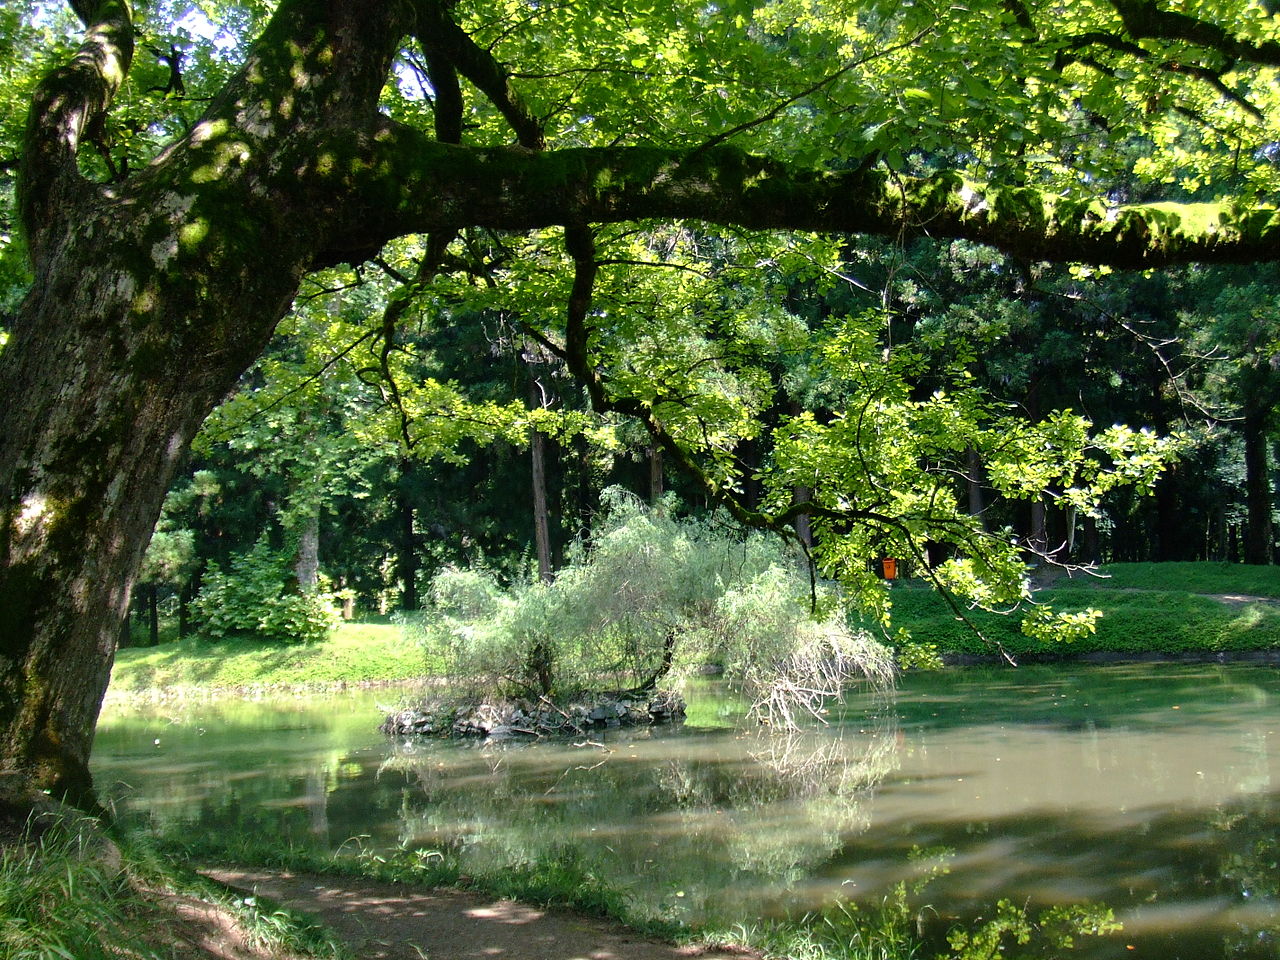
890,568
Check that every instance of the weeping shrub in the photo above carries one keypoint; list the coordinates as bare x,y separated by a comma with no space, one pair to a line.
648,596
258,598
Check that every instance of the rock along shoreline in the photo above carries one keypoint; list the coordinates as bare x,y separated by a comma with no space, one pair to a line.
508,719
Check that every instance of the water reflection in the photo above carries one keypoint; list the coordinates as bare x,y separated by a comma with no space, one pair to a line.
685,823
1151,789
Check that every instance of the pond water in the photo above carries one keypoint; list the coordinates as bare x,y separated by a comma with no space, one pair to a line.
1152,789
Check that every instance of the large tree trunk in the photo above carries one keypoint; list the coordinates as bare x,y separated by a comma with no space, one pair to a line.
149,299
95,419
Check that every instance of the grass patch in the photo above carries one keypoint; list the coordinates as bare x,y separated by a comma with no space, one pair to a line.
1200,577
1165,609
354,653
58,899
71,894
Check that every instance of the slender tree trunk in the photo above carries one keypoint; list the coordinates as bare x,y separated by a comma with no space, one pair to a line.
306,567
1257,485
1171,531
538,457
973,483
541,523
1039,538
1090,547
407,559
655,474
803,525
748,456
186,594
153,614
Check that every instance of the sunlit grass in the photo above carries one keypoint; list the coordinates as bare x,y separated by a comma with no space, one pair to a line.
355,653
71,895
1199,577
1170,609
58,900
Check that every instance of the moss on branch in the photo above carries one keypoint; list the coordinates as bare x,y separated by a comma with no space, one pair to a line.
403,182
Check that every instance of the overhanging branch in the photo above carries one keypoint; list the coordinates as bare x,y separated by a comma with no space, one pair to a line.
1144,20
413,184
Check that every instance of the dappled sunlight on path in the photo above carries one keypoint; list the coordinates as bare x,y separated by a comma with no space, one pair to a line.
388,922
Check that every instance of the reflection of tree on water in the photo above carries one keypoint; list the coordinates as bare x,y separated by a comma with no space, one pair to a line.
1251,869
688,826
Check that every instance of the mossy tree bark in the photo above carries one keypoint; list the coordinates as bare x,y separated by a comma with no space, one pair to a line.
150,299
153,294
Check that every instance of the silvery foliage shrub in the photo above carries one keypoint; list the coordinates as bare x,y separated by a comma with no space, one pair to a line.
646,595
258,598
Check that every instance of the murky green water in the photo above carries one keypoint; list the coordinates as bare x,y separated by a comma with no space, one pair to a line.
1154,789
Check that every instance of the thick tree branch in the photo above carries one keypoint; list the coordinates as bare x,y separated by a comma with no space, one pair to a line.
1144,20
444,40
448,102
69,105
406,183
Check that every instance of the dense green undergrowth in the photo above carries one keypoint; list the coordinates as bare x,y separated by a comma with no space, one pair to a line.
1169,609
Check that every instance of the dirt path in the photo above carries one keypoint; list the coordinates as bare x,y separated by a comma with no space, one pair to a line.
1240,599
386,922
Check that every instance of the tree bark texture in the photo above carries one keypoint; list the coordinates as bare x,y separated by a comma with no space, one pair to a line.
150,299
306,566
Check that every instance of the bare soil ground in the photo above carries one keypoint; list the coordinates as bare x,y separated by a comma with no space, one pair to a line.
188,929
387,922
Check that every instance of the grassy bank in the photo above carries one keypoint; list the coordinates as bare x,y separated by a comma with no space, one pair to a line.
72,893
1149,609
355,653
